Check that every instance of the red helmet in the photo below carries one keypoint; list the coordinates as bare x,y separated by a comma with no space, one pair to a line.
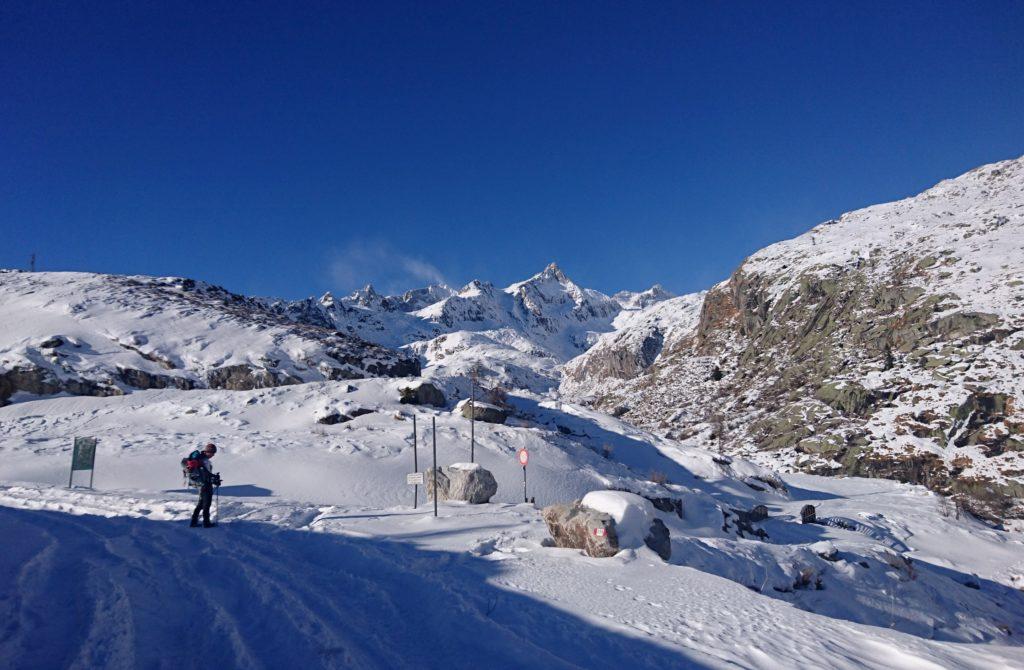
210,448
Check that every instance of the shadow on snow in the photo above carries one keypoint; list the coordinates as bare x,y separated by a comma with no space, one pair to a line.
130,592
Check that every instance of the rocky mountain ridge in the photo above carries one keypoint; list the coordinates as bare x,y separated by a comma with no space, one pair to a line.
92,334
519,335
887,342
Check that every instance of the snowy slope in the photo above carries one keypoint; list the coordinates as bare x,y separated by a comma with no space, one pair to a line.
286,475
93,334
275,441
112,580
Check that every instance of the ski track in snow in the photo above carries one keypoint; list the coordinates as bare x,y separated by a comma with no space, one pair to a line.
293,585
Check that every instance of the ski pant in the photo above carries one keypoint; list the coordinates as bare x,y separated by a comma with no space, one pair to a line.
205,498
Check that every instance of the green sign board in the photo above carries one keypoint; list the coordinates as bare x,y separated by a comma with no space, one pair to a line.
85,453
83,457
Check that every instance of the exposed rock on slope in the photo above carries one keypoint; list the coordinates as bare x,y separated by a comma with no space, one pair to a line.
91,334
885,343
638,340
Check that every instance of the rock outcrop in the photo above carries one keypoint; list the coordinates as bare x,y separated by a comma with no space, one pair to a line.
482,411
886,343
423,393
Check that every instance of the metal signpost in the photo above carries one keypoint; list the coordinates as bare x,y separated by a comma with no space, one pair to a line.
472,414
415,467
433,435
524,458
83,458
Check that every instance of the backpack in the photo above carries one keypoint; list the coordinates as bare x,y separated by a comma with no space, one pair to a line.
192,468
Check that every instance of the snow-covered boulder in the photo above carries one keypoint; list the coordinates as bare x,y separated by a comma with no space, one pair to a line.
483,411
423,393
468,482
576,527
605,522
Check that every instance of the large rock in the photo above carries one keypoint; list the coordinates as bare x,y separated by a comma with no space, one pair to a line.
576,527
423,393
462,481
659,540
483,411
604,522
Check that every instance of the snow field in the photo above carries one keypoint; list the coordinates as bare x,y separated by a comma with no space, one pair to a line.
113,580
322,561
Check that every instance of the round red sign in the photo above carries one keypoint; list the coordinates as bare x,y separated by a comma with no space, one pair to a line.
524,456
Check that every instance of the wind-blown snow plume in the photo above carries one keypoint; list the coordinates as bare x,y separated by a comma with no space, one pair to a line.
380,263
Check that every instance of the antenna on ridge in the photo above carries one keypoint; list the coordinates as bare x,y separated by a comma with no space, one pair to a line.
32,263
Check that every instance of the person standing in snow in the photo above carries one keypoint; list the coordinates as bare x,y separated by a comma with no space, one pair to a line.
206,479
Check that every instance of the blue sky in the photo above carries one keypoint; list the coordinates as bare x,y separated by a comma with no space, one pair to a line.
279,149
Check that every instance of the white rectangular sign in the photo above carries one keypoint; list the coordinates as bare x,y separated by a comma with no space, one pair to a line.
414,478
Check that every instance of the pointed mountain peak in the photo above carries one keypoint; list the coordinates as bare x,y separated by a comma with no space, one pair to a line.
366,296
552,271
474,287
327,300
634,300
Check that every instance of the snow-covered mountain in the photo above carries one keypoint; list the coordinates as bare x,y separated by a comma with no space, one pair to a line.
519,335
888,342
92,334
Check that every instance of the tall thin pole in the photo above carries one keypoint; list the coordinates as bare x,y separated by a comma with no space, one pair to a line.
32,263
472,415
524,485
433,435
415,465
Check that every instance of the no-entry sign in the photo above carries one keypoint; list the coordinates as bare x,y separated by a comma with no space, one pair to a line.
524,457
